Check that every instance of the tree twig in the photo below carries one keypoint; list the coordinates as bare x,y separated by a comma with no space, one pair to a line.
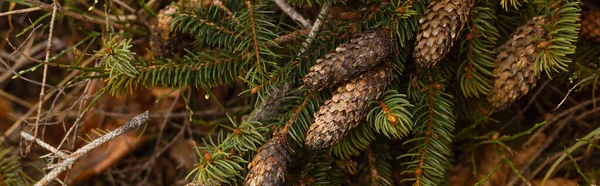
315,28
135,122
290,11
33,9
45,6
45,74
573,88
43,144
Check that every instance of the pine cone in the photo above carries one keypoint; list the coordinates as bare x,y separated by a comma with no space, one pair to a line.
440,27
360,54
515,71
590,25
347,106
164,41
270,163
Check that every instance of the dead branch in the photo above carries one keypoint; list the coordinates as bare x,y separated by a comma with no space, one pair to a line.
135,122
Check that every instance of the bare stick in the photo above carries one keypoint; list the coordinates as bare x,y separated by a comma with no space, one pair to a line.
45,6
43,144
573,88
289,10
45,73
315,28
29,112
20,11
135,122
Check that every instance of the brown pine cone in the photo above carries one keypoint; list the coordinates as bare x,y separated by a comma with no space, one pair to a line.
515,71
347,106
269,165
590,25
164,41
360,54
440,27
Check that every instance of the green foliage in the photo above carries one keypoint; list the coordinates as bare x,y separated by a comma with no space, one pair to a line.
380,166
513,3
563,30
9,168
477,49
433,133
392,115
357,140
203,69
241,44
224,162
245,137
401,17
300,114
118,58
211,26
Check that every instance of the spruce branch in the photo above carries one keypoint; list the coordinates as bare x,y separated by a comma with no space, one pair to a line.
514,3
434,123
392,115
10,168
475,72
358,140
253,25
67,163
562,24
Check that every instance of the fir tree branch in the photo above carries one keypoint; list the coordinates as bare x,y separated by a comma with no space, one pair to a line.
433,134
563,30
475,73
253,25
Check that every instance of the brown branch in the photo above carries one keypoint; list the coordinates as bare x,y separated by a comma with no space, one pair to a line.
289,10
44,76
135,122
20,11
252,24
63,11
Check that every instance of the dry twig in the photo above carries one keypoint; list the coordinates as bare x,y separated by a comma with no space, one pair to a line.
135,122
33,9
289,10
45,6
315,28
45,73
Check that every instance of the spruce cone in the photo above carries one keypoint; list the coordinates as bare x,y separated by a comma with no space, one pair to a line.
347,106
360,54
440,27
162,40
590,25
269,165
515,71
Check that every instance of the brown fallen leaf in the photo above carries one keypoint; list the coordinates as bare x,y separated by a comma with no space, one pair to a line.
6,120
